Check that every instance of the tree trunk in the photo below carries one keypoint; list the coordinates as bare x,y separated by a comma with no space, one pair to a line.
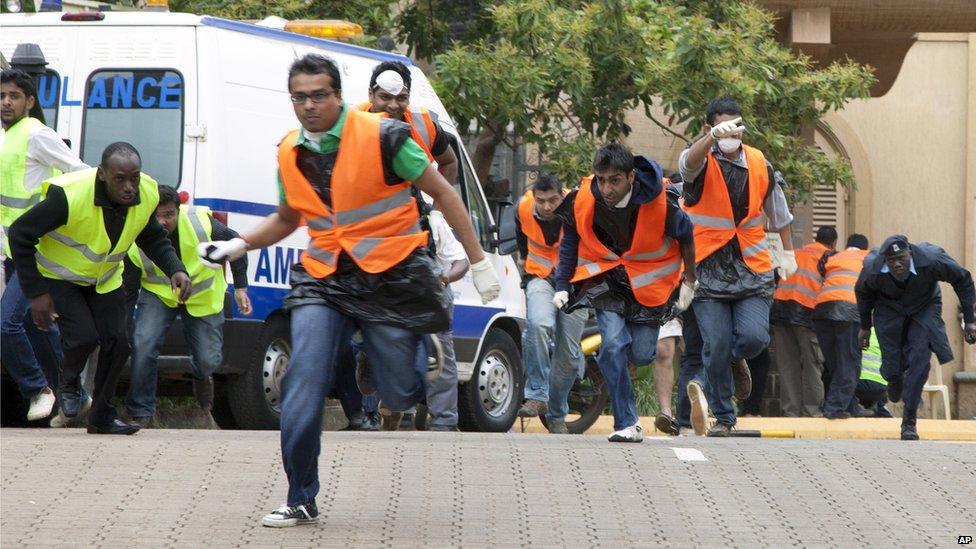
484,151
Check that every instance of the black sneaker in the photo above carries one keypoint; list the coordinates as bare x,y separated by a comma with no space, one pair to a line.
894,389
908,431
287,516
666,424
371,421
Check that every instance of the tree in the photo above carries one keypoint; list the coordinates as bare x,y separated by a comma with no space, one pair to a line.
562,76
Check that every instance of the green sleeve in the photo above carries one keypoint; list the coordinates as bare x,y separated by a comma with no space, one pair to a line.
281,189
410,161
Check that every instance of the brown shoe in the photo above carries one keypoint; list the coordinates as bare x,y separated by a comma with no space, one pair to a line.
558,427
391,419
699,407
720,430
533,408
666,424
742,379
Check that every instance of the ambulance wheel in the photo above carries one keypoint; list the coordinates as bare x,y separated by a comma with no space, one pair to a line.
489,401
255,395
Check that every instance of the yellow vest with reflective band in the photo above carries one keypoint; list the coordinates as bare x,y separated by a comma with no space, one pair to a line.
871,362
80,251
209,285
15,199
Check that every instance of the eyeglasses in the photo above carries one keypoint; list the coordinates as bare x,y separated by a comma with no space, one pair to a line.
316,97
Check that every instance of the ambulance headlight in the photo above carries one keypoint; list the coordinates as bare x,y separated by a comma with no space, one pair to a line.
14,6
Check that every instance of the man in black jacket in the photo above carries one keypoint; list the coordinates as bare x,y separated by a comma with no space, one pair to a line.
898,290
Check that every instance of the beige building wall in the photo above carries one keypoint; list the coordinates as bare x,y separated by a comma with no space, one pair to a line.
913,152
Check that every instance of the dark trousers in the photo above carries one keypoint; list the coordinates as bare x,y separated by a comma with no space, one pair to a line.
88,319
916,356
871,394
692,366
842,358
759,369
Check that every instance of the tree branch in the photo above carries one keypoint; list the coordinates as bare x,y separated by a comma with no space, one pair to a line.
647,112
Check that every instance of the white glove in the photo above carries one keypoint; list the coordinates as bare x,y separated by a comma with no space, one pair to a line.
686,295
560,298
728,128
213,253
789,264
485,280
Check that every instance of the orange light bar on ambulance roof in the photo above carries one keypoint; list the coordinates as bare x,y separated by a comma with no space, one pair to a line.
334,29
157,5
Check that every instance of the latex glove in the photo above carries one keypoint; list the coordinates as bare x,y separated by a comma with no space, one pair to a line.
686,295
560,298
729,128
789,264
214,253
485,280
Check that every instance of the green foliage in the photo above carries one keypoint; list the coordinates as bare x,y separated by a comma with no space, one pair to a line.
562,75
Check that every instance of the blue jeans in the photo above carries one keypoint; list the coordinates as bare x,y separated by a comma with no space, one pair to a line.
442,393
623,341
691,365
204,335
318,333
731,330
24,350
553,358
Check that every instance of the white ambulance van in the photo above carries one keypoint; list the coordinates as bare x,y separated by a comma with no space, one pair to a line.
205,102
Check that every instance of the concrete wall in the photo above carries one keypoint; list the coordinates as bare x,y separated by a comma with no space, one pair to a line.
913,151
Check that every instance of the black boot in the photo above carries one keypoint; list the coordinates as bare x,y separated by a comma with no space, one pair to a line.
894,388
908,431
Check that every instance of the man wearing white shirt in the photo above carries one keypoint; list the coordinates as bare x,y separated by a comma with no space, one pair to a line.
30,153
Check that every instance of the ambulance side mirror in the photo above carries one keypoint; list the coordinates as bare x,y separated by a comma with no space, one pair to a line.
505,242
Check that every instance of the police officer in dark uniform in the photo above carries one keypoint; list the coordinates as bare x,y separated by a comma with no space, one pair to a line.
899,290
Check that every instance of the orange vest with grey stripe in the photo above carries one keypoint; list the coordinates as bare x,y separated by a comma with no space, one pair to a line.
804,285
715,223
542,258
422,127
653,262
842,269
376,224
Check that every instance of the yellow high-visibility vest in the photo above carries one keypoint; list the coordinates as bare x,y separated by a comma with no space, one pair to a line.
80,250
209,285
15,198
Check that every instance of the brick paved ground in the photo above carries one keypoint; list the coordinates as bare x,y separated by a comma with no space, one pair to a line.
210,488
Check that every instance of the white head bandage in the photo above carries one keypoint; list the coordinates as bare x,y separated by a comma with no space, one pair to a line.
390,82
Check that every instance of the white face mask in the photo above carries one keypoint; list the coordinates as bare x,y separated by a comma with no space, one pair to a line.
729,145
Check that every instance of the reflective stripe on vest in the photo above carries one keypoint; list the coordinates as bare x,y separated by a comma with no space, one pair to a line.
542,258
376,224
208,284
653,262
15,199
714,220
423,130
80,251
842,270
871,362
804,285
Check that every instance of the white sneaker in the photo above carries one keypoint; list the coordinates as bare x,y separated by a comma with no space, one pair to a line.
699,407
41,405
630,434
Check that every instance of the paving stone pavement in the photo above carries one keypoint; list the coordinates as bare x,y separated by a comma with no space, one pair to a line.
192,488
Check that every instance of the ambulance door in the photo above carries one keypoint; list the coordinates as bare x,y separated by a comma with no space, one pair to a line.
139,84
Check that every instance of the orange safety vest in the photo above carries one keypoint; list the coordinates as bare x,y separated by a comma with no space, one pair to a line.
422,127
653,262
843,268
715,223
376,224
804,285
542,258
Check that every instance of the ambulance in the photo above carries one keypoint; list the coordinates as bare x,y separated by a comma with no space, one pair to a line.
205,102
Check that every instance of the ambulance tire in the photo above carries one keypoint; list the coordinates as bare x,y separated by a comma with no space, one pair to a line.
489,401
253,395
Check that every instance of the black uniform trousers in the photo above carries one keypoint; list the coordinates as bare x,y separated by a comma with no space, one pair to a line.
916,351
842,358
88,319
